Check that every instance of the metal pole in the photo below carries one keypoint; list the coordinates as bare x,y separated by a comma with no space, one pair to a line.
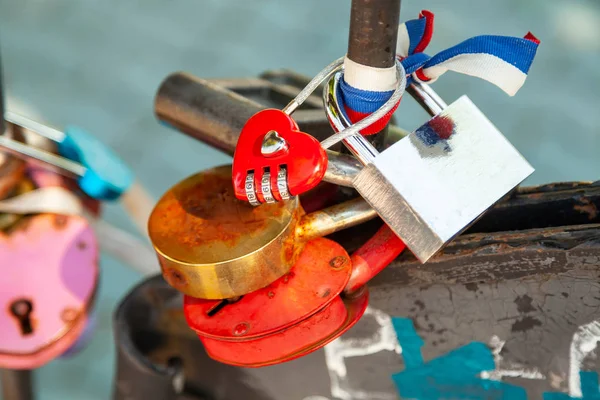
372,39
374,32
16,384
2,123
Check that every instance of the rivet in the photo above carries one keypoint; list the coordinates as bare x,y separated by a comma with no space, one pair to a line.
68,314
338,262
177,278
241,329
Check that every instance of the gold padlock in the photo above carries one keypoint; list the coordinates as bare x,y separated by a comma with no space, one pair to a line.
211,245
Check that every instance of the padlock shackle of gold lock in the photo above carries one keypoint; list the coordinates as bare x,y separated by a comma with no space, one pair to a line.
212,246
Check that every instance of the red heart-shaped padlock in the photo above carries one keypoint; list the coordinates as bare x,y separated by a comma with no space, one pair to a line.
271,142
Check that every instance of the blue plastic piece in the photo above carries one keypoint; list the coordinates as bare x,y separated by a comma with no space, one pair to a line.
107,177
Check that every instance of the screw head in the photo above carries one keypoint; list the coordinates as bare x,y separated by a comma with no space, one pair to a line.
338,262
68,315
241,329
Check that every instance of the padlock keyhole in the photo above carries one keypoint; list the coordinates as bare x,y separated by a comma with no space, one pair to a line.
220,305
21,309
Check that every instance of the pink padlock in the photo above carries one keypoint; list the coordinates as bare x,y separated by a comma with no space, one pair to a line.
49,269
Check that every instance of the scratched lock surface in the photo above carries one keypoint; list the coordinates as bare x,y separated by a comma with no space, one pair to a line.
63,64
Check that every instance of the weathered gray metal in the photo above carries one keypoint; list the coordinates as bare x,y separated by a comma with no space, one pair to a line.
532,297
531,294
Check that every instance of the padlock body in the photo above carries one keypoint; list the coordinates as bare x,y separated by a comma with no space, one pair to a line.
49,264
279,346
295,315
304,160
433,184
211,245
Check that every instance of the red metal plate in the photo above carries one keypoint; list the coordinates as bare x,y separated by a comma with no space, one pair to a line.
317,279
298,340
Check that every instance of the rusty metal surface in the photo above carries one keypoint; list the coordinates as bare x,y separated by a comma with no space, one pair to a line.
373,32
215,112
200,214
550,205
281,304
214,246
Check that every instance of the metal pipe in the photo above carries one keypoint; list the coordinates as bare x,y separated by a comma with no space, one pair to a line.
16,384
215,115
374,32
203,110
372,40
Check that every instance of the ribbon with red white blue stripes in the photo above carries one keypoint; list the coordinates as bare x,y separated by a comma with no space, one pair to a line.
501,60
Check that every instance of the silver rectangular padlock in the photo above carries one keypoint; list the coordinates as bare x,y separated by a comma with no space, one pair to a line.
431,185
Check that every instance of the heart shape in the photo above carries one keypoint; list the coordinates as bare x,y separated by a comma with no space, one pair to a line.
273,145
304,159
